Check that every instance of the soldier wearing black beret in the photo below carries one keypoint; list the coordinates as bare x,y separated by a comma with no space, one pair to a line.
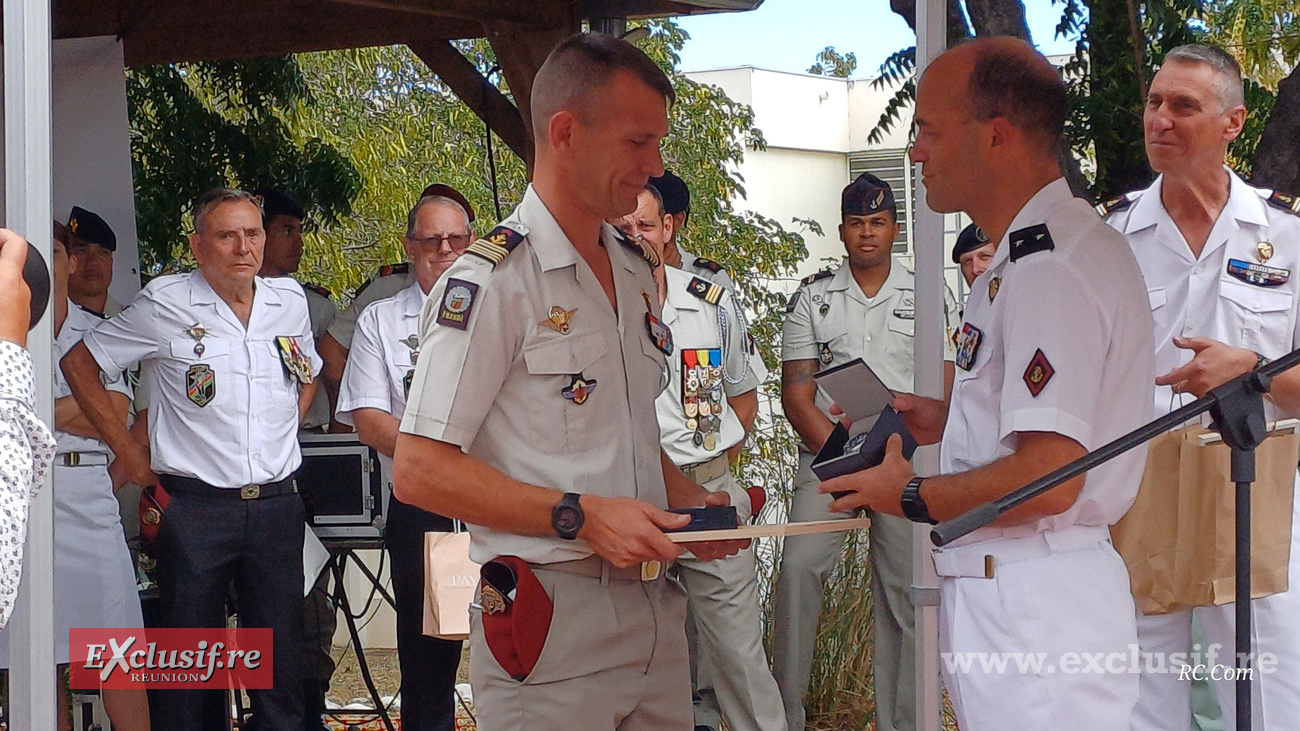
93,244
973,252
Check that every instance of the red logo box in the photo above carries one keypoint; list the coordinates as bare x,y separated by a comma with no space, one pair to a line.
170,658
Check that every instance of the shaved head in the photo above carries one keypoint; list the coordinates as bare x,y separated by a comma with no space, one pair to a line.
578,71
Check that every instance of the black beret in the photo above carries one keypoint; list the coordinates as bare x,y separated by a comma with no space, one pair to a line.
867,195
970,239
677,197
275,203
92,229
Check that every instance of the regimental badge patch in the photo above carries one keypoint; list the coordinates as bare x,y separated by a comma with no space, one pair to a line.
1258,274
1038,373
1030,240
968,345
705,290
201,384
457,301
579,389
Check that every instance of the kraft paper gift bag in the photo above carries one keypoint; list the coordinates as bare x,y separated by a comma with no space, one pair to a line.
450,579
1147,536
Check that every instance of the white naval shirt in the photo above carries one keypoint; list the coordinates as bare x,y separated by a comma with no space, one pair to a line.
1082,304
696,325
831,315
77,324
1192,297
496,388
247,434
344,325
380,359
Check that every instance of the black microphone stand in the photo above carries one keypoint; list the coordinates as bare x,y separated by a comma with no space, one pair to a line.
1238,411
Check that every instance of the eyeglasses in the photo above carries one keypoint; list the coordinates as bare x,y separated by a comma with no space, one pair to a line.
459,242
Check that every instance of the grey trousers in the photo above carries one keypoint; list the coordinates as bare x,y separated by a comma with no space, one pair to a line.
806,564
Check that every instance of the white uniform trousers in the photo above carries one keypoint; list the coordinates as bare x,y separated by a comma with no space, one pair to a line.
1275,637
806,565
724,602
1015,648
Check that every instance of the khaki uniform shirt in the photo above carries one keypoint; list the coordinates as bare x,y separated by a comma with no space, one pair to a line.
569,407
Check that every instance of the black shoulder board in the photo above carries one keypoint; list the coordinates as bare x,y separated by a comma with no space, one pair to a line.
1286,202
641,250
87,310
1027,241
708,264
399,268
705,290
1114,204
818,276
496,245
320,290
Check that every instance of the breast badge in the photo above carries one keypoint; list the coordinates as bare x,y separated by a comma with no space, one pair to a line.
200,384
558,319
1264,250
579,389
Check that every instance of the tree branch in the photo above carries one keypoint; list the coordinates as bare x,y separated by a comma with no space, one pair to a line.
1277,159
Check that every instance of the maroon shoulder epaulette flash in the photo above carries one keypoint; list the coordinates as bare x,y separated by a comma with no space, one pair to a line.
496,245
1286,202
705,290
399,268
319,290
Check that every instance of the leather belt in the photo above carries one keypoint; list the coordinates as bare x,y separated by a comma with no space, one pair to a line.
596,567
706,472
175,483
82,459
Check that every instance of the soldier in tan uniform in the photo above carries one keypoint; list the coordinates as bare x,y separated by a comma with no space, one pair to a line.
531,417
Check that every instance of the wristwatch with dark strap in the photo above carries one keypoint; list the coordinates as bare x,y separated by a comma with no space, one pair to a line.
914,508
567,517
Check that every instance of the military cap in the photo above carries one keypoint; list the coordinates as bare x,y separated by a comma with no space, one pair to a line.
275,203
92,229
677,197
867,195
517,614
970,239
446,191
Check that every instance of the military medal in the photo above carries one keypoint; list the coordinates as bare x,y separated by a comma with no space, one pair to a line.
994,285
710,441
579,389
660,334
968,345
558,319
692,424
1258,274
1264,250
295,362
413,342
197,331
697,439
824,309
826,356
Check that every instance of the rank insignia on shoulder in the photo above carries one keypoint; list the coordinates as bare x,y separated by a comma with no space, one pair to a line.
1030,240
817,277
496,245
201,384
708,264
1258,274
319,290
639,248
968,345
705,290
1286,202
398,268
1106,208
579,389
1038,373
457,301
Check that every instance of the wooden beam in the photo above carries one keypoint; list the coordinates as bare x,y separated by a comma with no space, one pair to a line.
521,50
515,11
477,93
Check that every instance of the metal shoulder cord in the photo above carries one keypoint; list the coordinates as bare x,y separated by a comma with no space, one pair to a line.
722,335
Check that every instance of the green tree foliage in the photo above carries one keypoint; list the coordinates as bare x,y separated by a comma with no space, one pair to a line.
198,126
830,63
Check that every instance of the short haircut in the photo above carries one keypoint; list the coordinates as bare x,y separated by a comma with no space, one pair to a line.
216,197
659,198
577,70
275,203
1015,82
1226,71
440,200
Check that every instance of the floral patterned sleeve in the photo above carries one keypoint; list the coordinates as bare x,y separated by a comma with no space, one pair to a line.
26,451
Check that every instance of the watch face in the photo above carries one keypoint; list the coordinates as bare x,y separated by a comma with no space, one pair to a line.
567,520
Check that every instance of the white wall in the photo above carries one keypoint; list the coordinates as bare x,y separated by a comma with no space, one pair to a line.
783,184
92,147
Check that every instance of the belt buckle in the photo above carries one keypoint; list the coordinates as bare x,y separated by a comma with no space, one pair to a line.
650,570
250,492
72,459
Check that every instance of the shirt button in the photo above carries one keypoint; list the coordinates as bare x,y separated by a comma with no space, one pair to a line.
868,338
257,455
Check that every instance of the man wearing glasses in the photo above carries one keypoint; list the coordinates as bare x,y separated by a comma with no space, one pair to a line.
372,397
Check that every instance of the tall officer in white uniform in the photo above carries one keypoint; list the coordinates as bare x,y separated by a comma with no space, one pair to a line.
1220,259
232,365
677,204
865,309
94,577
392,278
1054,361
541,354
704,416
372,397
